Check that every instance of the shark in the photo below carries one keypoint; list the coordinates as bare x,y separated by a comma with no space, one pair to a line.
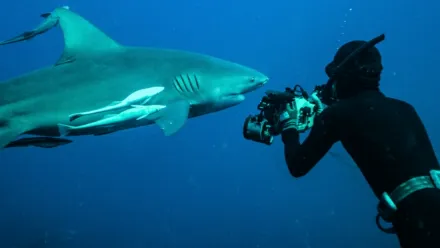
95,71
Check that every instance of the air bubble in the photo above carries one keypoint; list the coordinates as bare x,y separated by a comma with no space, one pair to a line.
342,27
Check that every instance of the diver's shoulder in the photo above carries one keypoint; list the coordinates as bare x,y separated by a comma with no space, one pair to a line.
380,98
399,102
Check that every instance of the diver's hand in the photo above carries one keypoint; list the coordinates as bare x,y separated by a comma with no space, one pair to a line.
289,118
315,99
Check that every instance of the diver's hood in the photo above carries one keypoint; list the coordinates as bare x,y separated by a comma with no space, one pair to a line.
356,67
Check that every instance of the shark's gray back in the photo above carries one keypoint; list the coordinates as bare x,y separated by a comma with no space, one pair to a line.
110,75
140,68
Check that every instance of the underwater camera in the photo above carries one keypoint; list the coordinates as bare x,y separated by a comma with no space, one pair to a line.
262,127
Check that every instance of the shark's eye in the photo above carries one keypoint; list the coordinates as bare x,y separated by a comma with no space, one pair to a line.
252,79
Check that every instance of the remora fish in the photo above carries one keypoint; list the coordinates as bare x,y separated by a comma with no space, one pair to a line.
138,112
50,21
139,97
95,71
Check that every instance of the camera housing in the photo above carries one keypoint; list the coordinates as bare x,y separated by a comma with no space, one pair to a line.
263,127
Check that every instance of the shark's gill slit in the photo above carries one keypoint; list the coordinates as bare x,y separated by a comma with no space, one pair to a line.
197,82
177,85
185,84
191,84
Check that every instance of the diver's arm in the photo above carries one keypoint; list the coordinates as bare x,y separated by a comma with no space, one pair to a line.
301,158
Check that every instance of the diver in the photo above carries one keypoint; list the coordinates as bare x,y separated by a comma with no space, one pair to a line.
50,21
385,137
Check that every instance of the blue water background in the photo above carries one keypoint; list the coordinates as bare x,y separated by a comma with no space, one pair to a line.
206,186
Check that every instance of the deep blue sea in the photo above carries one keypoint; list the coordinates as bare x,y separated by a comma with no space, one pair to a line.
206,186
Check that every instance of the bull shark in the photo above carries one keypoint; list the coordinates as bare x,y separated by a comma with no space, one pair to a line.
94,71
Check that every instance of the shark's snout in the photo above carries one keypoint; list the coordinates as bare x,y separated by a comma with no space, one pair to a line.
263,81
256,82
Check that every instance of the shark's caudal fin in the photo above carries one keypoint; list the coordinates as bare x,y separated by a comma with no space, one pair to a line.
80,36
172,118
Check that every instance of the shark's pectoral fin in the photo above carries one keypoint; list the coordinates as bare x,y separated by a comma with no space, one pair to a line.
172,118
81,38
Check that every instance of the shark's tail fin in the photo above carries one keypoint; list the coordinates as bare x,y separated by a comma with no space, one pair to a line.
64,129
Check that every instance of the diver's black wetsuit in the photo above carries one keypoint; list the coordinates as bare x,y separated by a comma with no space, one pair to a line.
389,143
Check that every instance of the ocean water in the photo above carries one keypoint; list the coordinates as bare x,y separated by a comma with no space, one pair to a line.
207,187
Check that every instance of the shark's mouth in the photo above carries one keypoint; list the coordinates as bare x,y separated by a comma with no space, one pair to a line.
234,94
235,98
260,84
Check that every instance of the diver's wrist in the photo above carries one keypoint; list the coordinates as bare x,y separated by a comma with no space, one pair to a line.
289,124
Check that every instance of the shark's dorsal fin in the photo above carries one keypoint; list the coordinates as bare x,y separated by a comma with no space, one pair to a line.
80,36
